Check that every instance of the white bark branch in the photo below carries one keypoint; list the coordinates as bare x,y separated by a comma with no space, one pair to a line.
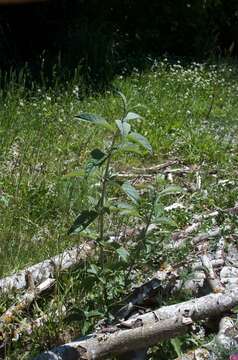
47,268
26,300
122,341
213,281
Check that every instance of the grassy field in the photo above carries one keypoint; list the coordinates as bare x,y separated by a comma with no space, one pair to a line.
190,114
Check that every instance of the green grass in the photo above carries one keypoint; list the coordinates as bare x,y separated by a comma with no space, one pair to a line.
190,113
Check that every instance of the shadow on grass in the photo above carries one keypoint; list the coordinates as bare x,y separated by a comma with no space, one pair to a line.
103,39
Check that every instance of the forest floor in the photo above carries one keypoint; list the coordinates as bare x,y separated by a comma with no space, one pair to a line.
190,117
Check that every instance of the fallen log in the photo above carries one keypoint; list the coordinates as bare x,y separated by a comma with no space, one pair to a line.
144,330
122,341
47,268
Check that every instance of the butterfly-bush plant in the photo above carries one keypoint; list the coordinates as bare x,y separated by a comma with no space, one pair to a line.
123,139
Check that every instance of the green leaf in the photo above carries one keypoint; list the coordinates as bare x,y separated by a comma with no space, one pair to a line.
177,344
132,116
123,98
164,220
83,220
94,119
127,209
131,192
97,154
93,313
123,253
170,190
93,269
98,158
79,173
5,199
130,147
141,140
124,127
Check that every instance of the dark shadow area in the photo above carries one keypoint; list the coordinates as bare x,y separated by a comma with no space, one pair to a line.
109,37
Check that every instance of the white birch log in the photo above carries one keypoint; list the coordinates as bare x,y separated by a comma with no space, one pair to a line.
144,330
69,258
122,341
47,268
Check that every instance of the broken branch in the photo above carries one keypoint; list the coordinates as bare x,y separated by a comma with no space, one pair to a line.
47,268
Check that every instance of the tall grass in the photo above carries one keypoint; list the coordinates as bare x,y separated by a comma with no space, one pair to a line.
41,141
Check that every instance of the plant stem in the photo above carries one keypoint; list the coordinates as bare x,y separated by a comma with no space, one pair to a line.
104,187
140,242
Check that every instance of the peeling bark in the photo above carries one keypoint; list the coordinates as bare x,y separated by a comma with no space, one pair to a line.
122,341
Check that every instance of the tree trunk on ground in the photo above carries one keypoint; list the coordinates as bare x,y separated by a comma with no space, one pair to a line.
145,330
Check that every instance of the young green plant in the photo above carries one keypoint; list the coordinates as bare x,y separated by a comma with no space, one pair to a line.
122,140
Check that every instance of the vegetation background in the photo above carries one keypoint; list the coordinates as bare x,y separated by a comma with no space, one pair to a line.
107,36
175,62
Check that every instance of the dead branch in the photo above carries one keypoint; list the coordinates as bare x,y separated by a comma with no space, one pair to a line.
155,168
47,268
205,236
26,300
102,345
213,281
233,211
179,237
145,330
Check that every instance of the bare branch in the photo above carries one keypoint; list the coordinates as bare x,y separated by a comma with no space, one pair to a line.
26,300
47,268
212,279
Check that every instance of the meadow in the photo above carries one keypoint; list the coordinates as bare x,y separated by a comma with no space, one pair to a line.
189,114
